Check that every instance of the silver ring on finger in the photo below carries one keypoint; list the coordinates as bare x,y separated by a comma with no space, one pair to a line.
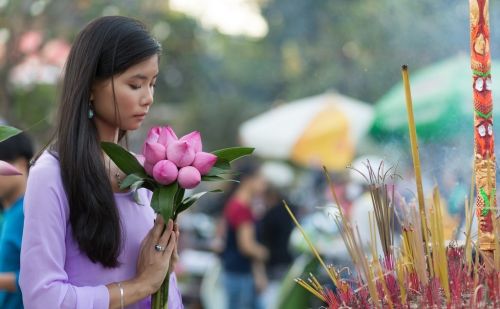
159,248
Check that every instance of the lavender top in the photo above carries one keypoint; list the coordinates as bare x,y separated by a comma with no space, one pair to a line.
54,273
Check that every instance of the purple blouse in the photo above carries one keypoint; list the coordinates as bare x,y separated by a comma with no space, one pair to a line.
54,273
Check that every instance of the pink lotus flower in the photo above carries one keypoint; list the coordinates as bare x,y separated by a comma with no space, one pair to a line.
189,177
167,136
165,172
154,152
204,161
181,153
7,169
149,168
153,135
194,138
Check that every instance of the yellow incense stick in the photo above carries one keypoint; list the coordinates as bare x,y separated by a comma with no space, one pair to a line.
415,155
400,273
306,286
438,245
413,139
375,262
413,136
311,246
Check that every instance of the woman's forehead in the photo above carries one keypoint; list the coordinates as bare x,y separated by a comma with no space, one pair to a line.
146,69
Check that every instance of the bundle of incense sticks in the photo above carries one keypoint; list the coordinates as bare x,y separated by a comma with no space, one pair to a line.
449,276
423,271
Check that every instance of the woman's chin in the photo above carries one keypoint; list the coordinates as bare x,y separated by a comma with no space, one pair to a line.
132,126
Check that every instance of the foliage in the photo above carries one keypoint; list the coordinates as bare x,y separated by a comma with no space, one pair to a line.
356,47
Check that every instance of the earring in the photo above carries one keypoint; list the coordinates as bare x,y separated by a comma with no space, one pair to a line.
91,111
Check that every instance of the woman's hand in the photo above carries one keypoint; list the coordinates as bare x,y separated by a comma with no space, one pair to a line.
175,255
153,265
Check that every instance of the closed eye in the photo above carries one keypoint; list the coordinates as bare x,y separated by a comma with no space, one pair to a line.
135,87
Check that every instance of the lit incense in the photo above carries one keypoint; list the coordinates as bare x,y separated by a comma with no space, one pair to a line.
415,155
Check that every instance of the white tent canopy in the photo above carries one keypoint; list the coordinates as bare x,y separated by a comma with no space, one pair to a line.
274,133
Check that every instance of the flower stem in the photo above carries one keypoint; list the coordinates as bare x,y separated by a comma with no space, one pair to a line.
160,298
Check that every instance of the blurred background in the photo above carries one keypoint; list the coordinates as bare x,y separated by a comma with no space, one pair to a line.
308,83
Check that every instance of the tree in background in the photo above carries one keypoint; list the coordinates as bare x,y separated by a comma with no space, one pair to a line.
211,82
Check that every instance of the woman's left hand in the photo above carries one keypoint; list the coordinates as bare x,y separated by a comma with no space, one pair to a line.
175,255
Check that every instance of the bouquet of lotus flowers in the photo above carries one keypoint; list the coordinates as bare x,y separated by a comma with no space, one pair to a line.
168,166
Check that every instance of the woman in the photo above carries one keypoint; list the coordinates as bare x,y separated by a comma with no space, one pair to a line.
87,244
243,256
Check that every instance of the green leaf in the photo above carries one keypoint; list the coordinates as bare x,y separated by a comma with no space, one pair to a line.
222,164
217,178
130,180
179,196
166,199
125,161
189,201
211,178
135,188
231,154
149,184
7,132
215,171
137,185
155,200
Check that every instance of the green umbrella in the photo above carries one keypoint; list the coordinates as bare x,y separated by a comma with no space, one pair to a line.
442,101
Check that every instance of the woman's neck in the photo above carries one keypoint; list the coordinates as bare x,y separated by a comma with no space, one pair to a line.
107,133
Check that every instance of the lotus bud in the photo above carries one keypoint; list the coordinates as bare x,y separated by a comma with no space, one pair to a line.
154,152
189,177
153,135
204,161
165,172
181,153
149,168
167,136
194,138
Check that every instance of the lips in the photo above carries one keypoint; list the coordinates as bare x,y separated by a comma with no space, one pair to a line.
140,115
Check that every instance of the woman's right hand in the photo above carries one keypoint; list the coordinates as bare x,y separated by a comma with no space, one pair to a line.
153,265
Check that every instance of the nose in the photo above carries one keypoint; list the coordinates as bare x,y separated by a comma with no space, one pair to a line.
148,96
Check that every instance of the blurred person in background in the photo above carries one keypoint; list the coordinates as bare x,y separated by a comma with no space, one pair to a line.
1,216
275,227
18,151
274,230
243,256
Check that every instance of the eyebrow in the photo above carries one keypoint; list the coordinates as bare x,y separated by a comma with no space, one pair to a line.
142,76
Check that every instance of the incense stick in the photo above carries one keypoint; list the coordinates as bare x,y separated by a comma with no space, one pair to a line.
332,276
438,246
413,139
415,155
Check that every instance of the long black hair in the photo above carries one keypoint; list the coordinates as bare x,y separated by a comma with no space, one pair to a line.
105,47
